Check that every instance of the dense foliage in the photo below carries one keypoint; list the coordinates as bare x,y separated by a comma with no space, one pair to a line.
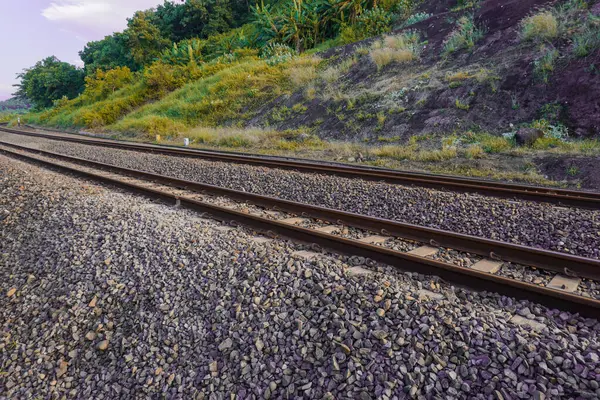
111,52
304,24
171,40
14,105
50,80
200,30
153,31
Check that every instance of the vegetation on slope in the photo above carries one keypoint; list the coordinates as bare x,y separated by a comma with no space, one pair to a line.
452,86
12,106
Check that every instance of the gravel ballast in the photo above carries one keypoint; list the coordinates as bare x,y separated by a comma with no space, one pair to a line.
569,230
108,295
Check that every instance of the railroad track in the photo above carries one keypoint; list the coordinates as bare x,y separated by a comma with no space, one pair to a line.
405,246
491,188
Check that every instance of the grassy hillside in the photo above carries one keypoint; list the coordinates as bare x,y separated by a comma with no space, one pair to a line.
445,91
10,108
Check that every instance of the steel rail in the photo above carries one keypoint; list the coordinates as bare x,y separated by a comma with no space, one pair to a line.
498,189
458,275
545,259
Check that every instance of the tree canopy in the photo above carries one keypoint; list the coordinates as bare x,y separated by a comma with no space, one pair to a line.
49,80
111,52
150,32
14,104
194,31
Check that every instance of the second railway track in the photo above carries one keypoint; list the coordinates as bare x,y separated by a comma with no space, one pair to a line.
424,241
564,197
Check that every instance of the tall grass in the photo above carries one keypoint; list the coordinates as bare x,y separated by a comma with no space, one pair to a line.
544,65
401,48
331,74
254,138
413,153
539,27
464,36
303,71
587,40
230,94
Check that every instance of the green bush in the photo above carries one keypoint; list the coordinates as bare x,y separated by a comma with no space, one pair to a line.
570,15
464,36
461,106
161,78
551,130
102,84
228,42
374,22
368,24
219,97
415,18
552,111
185,52
587,40
403,8
277,53
544,65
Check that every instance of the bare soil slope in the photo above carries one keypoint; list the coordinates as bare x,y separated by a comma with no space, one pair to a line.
500,89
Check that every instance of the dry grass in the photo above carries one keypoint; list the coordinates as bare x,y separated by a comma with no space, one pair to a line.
348,63
539,27
332,93
412,153
398,42
458,76
474,152
228,137
310,93
303,71
331,74
301,76
383,57
400,49
495,144
362,51
491,173
254,139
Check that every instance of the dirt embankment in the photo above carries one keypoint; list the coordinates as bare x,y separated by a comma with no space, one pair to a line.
510,93
582,171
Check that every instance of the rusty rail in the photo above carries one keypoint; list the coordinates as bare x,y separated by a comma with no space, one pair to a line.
545,259
459,275
491,188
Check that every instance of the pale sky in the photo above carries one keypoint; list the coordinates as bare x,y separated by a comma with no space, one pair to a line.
31,30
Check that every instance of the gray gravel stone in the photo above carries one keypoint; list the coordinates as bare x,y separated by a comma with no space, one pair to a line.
228,320
569,230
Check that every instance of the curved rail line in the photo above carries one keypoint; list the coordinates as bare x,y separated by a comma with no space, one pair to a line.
498,189
452,273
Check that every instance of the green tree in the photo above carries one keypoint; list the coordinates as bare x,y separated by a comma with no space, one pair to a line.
301,24
144,38
169,20
185,52
49,80
111,52
199,18
220,18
